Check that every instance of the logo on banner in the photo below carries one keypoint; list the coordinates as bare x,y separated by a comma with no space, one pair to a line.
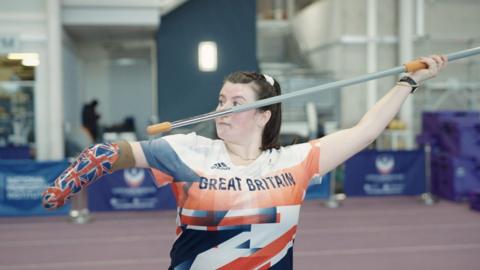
24,191
385,164
134,177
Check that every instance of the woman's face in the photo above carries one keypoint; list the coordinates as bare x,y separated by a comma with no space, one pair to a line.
242,126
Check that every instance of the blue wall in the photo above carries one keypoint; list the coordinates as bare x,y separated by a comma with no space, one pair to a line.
183,90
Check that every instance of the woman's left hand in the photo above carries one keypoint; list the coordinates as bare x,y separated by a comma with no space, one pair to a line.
435,64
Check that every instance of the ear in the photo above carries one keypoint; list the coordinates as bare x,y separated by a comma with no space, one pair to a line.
263,117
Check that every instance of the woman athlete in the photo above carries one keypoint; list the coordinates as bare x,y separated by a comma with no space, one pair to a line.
238,197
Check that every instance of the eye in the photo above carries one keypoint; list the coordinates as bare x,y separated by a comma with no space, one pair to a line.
236,103
220,102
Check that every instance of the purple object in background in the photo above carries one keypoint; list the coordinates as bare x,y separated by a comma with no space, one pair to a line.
457,133
454,137
432,121
475,200
461,137
453,177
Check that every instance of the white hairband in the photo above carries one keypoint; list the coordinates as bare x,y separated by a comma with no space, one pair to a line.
269,79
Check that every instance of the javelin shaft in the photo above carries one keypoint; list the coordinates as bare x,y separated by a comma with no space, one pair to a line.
278,99
411,66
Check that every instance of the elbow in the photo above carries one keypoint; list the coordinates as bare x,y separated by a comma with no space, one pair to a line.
369,133
372,135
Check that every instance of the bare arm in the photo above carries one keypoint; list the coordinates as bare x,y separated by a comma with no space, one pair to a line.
138,155
340,146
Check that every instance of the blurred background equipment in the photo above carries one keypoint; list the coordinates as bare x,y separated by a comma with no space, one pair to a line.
454,138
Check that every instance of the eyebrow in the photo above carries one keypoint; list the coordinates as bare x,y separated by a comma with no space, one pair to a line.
234,97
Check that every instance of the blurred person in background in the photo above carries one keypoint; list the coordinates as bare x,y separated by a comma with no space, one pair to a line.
90,118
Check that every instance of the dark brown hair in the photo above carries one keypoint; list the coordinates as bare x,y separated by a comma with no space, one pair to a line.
263,90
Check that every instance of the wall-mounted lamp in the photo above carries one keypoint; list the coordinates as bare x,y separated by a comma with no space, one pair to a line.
207,56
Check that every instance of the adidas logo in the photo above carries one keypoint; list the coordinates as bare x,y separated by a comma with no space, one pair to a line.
220,166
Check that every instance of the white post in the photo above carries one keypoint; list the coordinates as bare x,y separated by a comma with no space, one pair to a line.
372,49
55,76
278,9
420,18
41,108
406,54
154,79
290,9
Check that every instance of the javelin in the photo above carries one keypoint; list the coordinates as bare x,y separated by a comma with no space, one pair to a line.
408,67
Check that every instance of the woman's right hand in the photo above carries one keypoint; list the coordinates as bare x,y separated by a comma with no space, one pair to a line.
435,64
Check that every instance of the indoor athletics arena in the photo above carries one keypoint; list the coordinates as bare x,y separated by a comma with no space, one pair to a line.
252,134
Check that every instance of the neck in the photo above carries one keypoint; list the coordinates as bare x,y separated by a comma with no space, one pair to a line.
244,152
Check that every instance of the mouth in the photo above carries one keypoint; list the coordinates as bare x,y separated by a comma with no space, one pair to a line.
223,124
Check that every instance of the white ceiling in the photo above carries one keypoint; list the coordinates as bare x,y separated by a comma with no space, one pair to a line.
115,20
165,6
110,33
